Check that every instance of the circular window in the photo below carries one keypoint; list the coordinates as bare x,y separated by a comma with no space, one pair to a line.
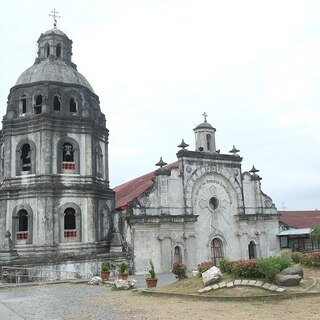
214,203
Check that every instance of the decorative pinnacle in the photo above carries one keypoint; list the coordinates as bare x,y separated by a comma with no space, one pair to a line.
54,16
183,145
161,163
205,117
234,151
254,170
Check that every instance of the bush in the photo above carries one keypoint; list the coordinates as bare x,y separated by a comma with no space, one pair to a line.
179,270
269,267
286,253
204,266
296,257
315,259
246,268
225,265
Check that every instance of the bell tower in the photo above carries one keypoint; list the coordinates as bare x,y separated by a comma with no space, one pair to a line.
205,136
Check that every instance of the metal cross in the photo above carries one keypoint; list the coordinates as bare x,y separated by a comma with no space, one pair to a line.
55,16
205,117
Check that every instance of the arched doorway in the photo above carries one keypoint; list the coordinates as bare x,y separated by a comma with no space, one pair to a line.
252,250
216,251
177,254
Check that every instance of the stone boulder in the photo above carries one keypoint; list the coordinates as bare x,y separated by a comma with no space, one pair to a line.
125,284
287,280
211,276
293,270
95,280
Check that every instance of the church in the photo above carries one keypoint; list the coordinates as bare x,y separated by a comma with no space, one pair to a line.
200,208
56,204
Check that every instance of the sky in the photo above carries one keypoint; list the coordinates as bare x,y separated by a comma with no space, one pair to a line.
158,65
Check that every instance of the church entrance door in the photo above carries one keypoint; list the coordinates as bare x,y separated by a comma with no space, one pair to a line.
216,251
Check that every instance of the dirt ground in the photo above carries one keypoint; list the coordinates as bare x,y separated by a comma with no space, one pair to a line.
143,307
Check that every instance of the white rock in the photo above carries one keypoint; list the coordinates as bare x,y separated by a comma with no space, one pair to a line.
95,280
211,276
125,284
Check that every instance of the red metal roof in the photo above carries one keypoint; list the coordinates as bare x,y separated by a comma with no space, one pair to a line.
129,190
300,219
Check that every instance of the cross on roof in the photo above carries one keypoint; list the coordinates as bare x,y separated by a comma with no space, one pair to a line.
54,16
205,117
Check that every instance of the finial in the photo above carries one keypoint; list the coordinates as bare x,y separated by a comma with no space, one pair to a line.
205,117
254,170
54,16
234,151
161,163
183,145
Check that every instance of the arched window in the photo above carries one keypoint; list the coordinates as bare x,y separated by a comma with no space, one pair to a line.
177,254
26,157
208,137
72,105
216,251
38,104
23,102
56,103
70,223
99,162
252,250
68,156
47,48
58,50
22,233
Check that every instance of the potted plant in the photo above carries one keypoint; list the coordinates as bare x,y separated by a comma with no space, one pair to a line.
123,270
105,271
151,279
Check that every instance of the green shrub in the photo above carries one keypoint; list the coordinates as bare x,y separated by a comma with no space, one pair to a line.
179,270
270,266
225,265
286,253
204,266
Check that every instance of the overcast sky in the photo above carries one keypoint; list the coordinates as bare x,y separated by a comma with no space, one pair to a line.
252,66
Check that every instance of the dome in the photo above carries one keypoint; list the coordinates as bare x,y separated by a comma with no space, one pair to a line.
56,31
54,62
204,125
56,70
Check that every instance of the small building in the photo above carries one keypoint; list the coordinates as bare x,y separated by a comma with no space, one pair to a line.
295,229
201,207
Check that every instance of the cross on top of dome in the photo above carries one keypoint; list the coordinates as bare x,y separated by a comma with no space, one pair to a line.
54,15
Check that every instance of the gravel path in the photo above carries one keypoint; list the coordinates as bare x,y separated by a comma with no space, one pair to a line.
60,301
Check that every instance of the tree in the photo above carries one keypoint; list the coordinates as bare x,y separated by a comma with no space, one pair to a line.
315,234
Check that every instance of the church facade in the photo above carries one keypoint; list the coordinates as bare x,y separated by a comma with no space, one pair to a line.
55,199
199,208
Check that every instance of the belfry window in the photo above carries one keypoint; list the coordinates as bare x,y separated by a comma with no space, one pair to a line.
56,103
208,138
70,223
47,50
22,233
72,105
68,156
23,101
38,104
26,157
58,50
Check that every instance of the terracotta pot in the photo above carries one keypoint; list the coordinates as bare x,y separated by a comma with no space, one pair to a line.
123,276
151,282
105,275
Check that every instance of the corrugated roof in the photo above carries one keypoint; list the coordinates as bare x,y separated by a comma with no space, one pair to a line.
294,232
129,190
300,219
